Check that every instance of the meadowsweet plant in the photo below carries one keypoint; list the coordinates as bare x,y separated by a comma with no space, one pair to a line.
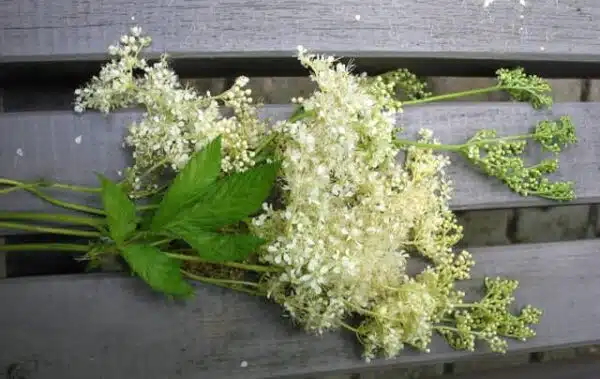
318,208
177,120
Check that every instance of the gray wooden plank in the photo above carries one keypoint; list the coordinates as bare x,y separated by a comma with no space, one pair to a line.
583,368
36,146
43,145
106,326
465,31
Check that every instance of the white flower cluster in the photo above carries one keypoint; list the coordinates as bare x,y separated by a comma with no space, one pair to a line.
353,213
353,210
177,120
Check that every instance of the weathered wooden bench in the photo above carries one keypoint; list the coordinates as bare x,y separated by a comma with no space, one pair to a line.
103,325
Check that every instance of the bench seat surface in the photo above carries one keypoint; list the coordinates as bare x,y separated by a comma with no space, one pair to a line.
111,326
105,326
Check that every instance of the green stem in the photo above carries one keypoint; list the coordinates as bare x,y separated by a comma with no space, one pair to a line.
265,142
459,147
31,188
8,190
501,139
74,188
369,313
467,306
347,326
243,266
147,234
444,327
455,330
152,168
226,283
45,247
43,229
147,207
548,195
400,143
455,95
65,204
158,243
476,334
148,193
60,218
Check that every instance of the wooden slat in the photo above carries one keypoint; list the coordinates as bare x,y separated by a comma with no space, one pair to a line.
108,326
582,368
47,143
462,37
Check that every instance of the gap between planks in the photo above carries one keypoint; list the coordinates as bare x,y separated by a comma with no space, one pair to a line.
2,261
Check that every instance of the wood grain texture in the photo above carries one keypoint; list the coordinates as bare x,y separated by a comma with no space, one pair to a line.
36,146
110,327
586,368
42,145
463,32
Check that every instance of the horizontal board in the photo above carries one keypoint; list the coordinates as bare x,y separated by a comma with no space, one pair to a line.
106,326
43,145
582,368
249,36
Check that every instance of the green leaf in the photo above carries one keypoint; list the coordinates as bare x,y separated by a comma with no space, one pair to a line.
217,247
158,270
201,170
120,211
229,199
147,215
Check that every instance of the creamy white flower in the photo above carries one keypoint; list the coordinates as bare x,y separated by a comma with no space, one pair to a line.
352,210
178,121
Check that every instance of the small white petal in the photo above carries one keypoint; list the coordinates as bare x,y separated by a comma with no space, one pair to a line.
20,152
244,364
78,140
357,17
136,31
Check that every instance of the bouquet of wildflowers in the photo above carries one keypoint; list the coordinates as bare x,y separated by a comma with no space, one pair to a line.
316,212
